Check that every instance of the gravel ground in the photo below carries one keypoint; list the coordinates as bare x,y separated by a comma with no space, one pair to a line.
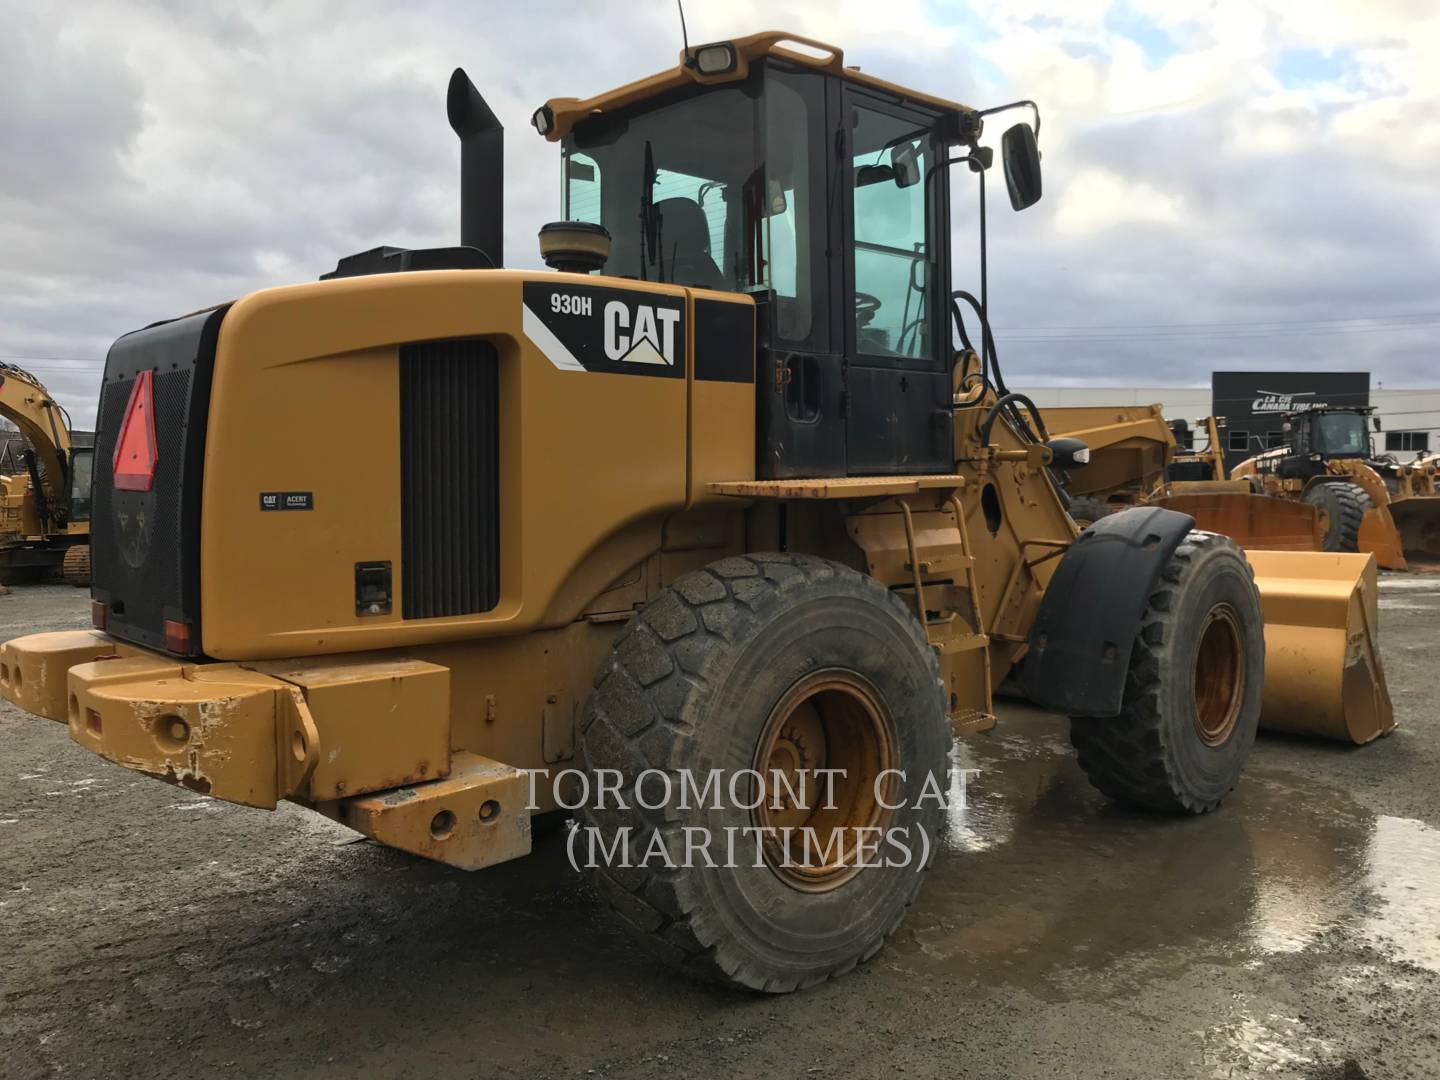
145,931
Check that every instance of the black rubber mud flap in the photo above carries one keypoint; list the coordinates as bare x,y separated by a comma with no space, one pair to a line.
1081,639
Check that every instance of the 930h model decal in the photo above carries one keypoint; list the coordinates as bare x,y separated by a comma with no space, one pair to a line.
584,328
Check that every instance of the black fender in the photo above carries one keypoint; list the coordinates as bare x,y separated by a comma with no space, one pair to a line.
1080,641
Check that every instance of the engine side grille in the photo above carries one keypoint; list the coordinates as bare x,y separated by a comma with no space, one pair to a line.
449,478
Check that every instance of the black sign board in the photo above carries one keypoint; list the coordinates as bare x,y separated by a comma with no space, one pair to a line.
1254,403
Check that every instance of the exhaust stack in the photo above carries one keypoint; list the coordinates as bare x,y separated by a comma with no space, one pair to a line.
482,167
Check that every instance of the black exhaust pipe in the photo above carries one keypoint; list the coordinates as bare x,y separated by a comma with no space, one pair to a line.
482,168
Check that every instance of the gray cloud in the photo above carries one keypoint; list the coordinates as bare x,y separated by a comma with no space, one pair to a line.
165,156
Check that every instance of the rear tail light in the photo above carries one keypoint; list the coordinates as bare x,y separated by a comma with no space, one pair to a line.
136,456
177,637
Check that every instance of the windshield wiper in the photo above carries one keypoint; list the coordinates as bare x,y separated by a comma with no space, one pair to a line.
649,224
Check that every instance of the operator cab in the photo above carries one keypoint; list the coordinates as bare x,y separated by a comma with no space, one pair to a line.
1338,435
820,192
1318,436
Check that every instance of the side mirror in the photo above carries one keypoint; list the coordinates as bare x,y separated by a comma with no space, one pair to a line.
1376,421
905,160
1022,166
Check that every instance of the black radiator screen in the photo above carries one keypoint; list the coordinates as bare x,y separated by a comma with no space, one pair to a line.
449,478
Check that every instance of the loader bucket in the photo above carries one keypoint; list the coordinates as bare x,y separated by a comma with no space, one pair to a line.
1380,537
1417,520
1322,664
1252,521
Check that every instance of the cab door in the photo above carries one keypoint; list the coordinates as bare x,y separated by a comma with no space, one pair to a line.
897,352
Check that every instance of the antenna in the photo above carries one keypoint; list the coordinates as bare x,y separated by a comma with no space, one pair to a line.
684,37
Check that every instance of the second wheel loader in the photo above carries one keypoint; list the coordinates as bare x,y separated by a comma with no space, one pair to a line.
1371,504
694,513
1135,460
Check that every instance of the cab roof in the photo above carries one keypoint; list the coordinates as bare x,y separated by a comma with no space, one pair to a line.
558,116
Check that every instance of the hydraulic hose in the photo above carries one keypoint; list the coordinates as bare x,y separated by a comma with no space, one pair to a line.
1007,401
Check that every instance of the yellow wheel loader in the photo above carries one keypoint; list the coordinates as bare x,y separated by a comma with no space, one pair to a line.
1407,493
45,510
1134,460
690,518
1366,503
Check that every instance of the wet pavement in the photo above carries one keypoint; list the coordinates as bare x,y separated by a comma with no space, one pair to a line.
1296,933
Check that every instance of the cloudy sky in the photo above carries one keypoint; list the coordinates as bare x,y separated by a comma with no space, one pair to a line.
1228,184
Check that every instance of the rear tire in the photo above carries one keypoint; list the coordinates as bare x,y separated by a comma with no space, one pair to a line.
1086,511
1192,695
1344,506
715,672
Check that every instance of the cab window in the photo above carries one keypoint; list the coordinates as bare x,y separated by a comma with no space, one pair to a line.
1341,433
582,188
82,464
677,187
794,205
892,258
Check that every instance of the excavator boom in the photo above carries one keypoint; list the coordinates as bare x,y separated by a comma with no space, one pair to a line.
44,510
25,402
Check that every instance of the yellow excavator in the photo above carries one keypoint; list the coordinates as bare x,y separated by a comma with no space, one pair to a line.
694,515
45,506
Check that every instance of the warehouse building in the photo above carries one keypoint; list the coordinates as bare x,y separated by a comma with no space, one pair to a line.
1254,403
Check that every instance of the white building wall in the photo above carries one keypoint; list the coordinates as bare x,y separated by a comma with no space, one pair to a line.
1415,411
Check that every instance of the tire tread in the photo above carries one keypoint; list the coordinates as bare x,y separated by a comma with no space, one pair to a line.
1352,501
683,632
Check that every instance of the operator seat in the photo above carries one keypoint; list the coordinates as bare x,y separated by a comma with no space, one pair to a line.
685,245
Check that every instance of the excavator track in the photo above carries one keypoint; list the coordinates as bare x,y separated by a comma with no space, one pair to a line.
76,569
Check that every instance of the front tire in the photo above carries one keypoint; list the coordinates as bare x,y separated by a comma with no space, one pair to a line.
1344,507
767,662
1192,695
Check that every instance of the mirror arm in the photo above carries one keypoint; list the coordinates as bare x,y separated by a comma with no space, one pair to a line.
1023,104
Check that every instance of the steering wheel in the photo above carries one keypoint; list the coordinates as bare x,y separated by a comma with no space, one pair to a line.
866,305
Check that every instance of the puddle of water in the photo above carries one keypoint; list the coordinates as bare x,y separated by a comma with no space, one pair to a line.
1387,887
1403,873
1043,882
976,819
1042,879
1250,1047
1309,848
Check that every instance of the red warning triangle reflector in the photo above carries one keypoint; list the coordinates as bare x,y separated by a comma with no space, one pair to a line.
135,454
